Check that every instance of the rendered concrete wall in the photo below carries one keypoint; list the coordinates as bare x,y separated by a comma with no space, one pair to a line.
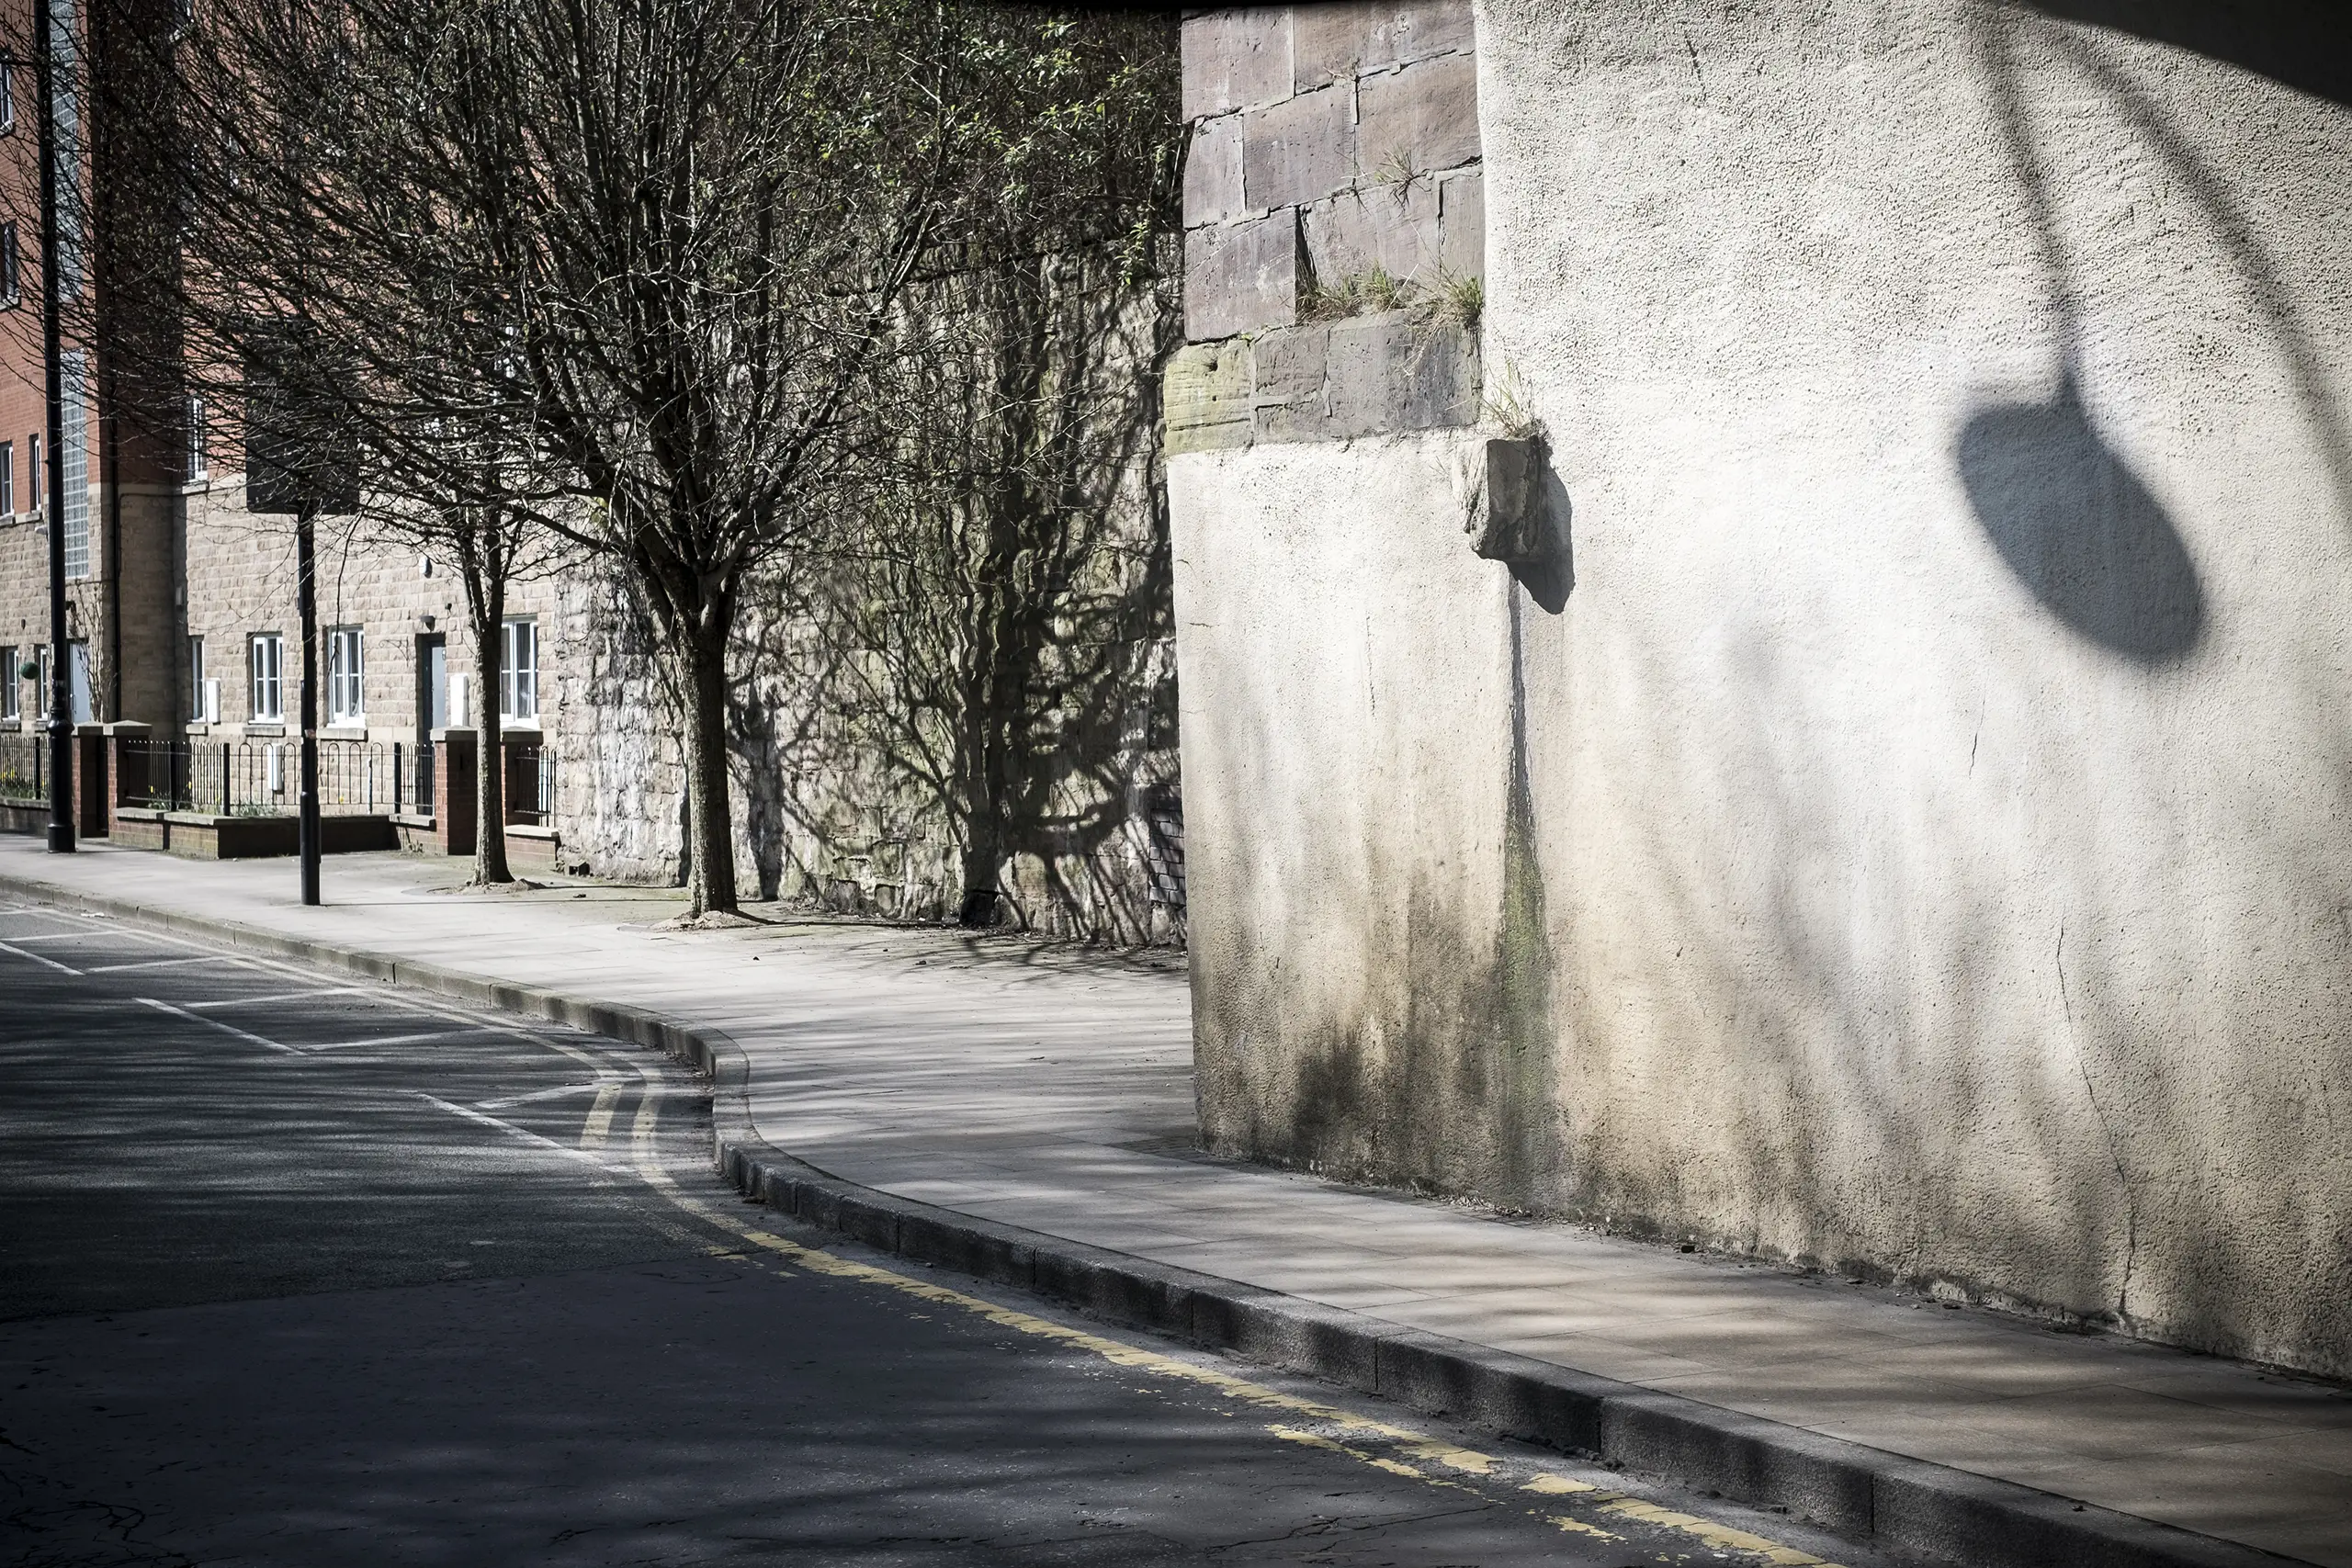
1916,843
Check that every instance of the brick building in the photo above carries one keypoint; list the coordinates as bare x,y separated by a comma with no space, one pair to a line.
120,478
181,602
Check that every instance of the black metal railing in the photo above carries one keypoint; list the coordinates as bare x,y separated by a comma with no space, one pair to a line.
252,778
412,769
530,785
24,768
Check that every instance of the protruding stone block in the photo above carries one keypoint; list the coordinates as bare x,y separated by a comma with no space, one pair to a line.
1236,59
1421,119
1298,151
1500,485
1241,277
1330,42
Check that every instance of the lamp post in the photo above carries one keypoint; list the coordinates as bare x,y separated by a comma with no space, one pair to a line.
296,462
307,578
61,672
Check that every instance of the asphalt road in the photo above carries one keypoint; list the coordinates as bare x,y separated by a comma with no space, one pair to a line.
295,1270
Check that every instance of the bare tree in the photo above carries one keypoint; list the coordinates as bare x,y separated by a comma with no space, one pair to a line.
1013,596
274,230
1012,590
660,243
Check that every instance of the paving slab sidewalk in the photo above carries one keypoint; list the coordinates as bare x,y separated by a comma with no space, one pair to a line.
1050,1088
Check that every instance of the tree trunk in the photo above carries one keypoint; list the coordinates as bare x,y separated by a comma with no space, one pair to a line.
981,863
710,838
483,560
490,753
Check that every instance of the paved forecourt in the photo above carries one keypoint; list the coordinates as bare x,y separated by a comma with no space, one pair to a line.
1050,1088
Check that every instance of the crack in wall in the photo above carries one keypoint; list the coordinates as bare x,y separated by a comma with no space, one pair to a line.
2107,1129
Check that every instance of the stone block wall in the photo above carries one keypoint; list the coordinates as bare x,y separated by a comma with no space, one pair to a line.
1335,221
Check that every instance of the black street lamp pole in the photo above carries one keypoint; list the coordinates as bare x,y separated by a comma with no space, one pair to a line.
61,672
307,577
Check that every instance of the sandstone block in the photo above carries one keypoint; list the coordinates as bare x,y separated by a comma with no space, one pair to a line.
1236,59
1299,149
1241,277
1399,370
1213,172
1288,393
1421,119
1205,397
1331,42
1461,224
1392,226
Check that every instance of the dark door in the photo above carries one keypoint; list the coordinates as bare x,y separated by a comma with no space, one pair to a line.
432,712
431,684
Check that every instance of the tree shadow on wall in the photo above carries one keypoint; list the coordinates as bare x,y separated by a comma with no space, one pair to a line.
2304,44
2079,528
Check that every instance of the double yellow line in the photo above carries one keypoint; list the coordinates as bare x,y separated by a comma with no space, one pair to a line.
1395,1449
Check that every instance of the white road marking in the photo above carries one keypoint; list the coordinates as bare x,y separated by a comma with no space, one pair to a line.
223,1028
37,958
470,1114
275,997
389,1040
515,1099
162,963
56,936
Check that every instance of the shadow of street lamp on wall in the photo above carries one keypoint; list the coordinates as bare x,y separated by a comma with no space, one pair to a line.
2079,528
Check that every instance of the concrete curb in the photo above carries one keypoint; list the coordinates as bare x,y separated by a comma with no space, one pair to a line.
1866,1495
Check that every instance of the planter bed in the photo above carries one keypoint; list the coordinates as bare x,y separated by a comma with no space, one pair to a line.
199,836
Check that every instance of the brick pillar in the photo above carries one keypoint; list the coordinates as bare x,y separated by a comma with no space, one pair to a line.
454,807
119,768
92,776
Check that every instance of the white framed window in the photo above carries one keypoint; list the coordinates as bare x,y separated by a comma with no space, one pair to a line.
199,438
73,451
268,660
7,478
11,265
195,713
40,682
346,669
518,671
7,95
32,474
10,703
